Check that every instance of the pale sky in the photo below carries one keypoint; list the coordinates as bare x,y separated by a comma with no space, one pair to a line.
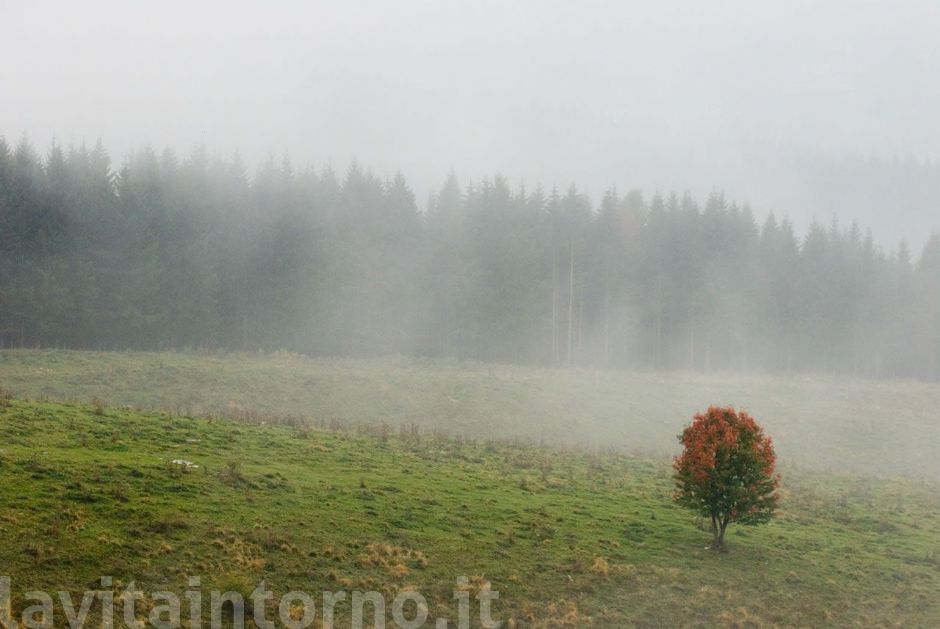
653,95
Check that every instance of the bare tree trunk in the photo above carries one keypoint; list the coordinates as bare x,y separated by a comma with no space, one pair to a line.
659,319
554,306
606,321
722,526
570,301
719,525
579,348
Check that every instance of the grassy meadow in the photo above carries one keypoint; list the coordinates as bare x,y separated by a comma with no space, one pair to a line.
394,474
882,428
567,538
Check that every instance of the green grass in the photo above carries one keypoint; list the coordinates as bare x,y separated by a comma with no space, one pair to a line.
884,428
395,473
87,490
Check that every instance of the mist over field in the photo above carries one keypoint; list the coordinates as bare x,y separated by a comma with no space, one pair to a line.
469,314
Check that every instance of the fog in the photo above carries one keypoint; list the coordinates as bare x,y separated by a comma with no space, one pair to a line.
806,108
370,295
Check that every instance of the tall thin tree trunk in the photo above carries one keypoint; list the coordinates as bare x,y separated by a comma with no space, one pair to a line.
570,301
659,319
554,306
607,320
579,348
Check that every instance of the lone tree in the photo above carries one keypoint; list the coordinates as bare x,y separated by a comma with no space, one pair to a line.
726,470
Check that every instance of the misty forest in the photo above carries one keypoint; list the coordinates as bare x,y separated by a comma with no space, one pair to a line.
163,252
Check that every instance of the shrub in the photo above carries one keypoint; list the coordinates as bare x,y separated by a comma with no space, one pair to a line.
98,406
232,474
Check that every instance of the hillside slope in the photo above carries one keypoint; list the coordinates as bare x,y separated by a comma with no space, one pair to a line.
825,424
564,537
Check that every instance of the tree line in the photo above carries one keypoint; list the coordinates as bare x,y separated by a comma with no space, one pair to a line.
166,252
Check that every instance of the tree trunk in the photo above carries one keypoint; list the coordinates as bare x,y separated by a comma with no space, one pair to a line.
719,525
659,319
579,348
606,320
554,306
570,301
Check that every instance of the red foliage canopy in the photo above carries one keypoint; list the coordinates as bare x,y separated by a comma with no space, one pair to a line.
726,469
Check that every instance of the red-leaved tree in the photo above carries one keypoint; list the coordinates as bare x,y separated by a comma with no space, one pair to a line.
726,470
